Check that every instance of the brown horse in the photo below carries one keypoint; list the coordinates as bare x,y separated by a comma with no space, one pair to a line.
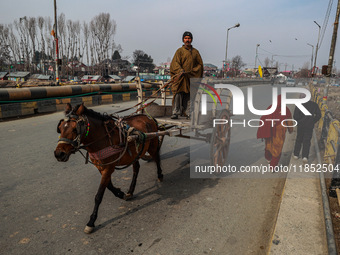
104,138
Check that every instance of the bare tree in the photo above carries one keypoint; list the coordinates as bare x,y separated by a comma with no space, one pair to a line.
42,50
266,62
25,51
49,38
5,55
62,35
86,33
143,61
32,31
305,70
31,41
13,44
102,30
236,65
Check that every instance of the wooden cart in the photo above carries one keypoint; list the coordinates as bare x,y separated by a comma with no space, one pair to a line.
218,137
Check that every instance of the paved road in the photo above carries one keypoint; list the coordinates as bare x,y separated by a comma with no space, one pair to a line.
45,204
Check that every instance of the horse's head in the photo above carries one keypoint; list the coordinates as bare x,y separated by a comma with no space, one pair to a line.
73,128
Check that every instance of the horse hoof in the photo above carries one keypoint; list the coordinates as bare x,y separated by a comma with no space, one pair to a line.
88,230
128,196
120,194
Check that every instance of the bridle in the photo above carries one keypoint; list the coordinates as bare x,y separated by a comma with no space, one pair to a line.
82,128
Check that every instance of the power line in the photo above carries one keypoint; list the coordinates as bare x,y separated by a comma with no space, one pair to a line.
285,56
325,22
267,51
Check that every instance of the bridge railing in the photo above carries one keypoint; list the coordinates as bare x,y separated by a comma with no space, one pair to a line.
329,140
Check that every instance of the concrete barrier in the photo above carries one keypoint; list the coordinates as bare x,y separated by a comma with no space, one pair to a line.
16,94
11,110
51,99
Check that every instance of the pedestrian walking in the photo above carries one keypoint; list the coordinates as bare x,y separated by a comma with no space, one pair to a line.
305,128
273,131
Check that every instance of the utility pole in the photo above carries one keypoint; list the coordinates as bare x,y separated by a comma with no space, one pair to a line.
56,45
317,47
331,53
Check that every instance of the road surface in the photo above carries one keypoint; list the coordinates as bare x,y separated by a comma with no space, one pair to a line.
46,204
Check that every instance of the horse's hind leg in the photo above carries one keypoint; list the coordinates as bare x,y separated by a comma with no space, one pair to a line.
157,159
116,191
129,194
153,150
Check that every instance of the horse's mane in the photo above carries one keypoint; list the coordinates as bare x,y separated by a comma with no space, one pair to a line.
103,116
93,114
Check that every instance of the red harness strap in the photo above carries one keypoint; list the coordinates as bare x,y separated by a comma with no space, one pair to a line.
105,153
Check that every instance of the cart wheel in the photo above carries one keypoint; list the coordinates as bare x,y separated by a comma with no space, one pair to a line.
147,156
220,141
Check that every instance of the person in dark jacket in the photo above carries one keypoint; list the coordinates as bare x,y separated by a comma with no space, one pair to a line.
305,128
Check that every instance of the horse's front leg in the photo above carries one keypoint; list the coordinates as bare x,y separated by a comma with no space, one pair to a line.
106,178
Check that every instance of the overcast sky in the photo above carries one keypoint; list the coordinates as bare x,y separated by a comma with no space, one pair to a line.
281,27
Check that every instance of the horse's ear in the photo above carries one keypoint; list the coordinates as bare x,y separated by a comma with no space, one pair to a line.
68,108
81,109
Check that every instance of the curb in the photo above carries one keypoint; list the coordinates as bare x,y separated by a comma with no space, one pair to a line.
300,226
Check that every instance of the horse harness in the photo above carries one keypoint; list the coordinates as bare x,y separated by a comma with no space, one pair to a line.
83,128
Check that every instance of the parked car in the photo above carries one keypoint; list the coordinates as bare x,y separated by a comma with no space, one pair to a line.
290,82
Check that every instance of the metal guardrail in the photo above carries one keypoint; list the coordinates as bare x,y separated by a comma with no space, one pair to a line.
330,139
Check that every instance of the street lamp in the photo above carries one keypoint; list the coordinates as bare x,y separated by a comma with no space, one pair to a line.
311,61
257,46
317,46
226,47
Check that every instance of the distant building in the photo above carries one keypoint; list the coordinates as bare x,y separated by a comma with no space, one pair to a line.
34,76
266,71
43,77
162,69
116,66
92,78
114,78
76,68
3,76
287,73
129,78
19,76
210,70
269,71
249,72
40,77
